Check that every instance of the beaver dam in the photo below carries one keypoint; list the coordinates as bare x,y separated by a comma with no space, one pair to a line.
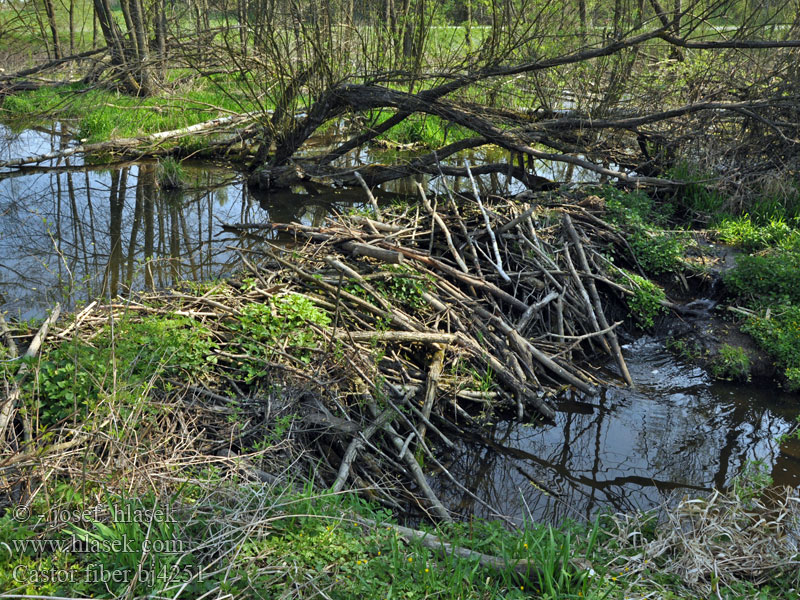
378,339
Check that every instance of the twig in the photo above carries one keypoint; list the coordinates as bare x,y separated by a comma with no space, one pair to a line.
7,410
498,264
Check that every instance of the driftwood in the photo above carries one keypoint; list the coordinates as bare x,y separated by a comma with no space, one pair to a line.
527,570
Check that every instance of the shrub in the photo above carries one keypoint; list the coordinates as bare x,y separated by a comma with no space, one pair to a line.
645,303
74,376
767,278
282,323
731,364
655,250
780,336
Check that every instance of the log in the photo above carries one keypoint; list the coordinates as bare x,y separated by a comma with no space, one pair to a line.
406,337
357,443
419,477
130,145
527,569
434,372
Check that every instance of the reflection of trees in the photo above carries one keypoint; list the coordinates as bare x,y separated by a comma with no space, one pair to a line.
627,454
106,231
81,233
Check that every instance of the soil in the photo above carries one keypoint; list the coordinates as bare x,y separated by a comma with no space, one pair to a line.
704,326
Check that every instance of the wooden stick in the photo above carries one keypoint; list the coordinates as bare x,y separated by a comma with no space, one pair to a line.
371,198
357,443
6,333
540,356
79,318
10,404
436,506
584,295
498,264
611,335
434,372
443,226
533,309
423,337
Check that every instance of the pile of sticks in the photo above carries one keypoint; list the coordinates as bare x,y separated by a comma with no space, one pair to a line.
440,313
502,310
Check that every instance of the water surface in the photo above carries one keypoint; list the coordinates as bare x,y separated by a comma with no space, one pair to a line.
623,450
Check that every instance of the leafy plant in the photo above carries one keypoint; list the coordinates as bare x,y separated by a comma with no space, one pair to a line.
74,376
767,278
731,364
655,250
751,482
658,252
645,303
285,321
139,551
743,231
780,336
406,285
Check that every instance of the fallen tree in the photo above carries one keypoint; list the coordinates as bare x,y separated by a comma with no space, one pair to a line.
618,107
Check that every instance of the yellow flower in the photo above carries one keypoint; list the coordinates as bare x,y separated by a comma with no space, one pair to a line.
522,587
410,559
427,570
526,546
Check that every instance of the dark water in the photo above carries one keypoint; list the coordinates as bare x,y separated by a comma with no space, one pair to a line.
77,232
678,431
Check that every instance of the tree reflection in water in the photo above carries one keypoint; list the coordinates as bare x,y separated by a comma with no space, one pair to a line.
626,449
77,233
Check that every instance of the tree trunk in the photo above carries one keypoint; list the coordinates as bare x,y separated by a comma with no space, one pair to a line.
51,19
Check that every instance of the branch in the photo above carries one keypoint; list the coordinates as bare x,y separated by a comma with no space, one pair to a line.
51,64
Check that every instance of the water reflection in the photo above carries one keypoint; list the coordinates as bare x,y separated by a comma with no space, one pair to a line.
627,450
71,232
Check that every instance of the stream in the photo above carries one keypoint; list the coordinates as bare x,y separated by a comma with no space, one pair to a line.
77,232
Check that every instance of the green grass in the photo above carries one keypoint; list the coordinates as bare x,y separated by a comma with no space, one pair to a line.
98,115
768,281
779,334
426,130
751,235
300,541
